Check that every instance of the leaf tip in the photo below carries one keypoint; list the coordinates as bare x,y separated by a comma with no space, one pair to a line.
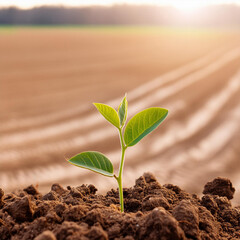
66,159
96,105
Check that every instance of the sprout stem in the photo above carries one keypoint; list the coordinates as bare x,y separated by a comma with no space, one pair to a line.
119,178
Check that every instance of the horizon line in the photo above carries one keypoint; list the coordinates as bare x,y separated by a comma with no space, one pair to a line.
114,4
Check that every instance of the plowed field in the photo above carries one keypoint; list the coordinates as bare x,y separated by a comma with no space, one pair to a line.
49,78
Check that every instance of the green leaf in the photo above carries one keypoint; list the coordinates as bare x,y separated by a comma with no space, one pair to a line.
94,161
109,113
122,111
142,124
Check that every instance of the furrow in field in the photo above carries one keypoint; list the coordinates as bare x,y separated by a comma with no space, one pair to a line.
172,137
200,118
13,140
132,95
211,157
207,148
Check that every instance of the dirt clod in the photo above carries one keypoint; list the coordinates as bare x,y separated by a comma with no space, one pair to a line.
154,202
58,188
221,187
21,209
187,216
1,197
32,190
1,194
97,233
160,223
46,235
50,196
152,211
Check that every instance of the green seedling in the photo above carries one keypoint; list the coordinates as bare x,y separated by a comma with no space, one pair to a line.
138,127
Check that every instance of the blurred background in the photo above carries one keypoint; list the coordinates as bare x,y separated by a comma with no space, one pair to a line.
57,57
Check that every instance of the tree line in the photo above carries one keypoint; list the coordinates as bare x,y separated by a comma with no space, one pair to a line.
219,15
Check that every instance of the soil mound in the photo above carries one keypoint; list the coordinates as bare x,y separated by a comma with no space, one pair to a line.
152,211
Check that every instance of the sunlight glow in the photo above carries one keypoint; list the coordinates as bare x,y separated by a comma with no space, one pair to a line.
187,6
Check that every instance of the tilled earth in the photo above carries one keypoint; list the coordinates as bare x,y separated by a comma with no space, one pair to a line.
49,78
152,211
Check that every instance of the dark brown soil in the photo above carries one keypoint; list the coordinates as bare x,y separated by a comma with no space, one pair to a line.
152,211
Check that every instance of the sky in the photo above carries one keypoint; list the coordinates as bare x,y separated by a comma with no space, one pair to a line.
181,4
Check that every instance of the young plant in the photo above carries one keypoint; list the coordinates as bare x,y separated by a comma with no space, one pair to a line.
138,127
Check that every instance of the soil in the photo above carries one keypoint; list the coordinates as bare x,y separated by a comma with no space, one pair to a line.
152,211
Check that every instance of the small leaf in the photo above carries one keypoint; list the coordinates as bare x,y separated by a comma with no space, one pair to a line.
122,111
94,161
142,124
109,113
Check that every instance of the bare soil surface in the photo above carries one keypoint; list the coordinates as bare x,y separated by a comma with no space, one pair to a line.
152,211
50,77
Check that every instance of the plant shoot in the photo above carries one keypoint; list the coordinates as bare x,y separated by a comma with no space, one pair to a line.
138,127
